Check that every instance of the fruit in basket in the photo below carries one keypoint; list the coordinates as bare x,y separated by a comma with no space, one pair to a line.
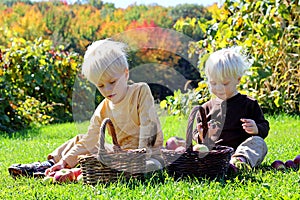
290,164
297,160
180,149
174,142
278,164
201,148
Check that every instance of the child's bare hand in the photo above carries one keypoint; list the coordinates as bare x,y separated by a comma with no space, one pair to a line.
249,126
58,166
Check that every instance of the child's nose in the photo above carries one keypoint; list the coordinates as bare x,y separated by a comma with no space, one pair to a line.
108,88
219,87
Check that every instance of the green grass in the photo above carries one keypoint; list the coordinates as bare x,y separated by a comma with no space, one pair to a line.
262,183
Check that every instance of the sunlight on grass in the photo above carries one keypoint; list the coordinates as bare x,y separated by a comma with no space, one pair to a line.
262,183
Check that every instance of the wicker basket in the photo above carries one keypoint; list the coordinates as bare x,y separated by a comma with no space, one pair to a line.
108,167
212,164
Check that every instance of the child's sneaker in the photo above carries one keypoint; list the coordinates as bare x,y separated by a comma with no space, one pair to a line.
240,163
36,169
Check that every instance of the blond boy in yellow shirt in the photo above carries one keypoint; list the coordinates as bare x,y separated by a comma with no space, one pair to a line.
130,108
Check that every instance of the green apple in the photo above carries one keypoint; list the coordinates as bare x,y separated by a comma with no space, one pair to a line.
201,148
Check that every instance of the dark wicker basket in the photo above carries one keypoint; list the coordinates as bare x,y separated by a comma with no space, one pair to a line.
212,164
111,166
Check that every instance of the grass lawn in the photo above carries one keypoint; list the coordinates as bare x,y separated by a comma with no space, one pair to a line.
262,183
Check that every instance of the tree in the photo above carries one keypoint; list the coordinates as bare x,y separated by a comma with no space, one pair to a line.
96,3
189,10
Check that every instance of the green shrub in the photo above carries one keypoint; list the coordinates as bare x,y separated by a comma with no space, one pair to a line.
36,81
181,103
268,31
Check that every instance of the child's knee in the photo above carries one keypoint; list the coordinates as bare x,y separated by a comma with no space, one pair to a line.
259,144
254,149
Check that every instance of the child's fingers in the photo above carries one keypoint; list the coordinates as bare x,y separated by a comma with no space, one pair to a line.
245,120
250,128
248,122
55,167
47,171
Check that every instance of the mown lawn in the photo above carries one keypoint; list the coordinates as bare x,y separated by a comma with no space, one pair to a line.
262,183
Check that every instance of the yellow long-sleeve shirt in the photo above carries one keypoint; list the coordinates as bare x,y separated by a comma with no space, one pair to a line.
134,118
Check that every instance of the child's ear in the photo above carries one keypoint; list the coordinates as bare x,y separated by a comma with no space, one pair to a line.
127,73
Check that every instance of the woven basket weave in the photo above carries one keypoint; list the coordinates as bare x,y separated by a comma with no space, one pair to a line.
212,164
111,166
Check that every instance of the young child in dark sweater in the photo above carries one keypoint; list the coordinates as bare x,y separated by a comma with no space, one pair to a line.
235,120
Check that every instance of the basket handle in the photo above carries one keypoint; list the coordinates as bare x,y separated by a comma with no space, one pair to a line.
189,131
204,124
116,147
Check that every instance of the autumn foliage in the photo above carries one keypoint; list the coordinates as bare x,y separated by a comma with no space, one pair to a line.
42,45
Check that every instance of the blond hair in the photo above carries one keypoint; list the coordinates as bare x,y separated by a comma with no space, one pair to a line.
226,63
104,56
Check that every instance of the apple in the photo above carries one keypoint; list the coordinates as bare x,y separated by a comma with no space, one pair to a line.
76,171
278,164
290,164
174,142
201,148
79,178
64,175
297,160
180,149
171,143
51,174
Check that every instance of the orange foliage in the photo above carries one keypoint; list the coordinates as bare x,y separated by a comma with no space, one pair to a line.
76,24
152,43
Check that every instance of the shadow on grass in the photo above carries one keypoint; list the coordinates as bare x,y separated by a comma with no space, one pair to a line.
162,177
256,174
242,176
149,179
21,134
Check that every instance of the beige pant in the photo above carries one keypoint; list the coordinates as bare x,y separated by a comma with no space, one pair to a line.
63,149
254,149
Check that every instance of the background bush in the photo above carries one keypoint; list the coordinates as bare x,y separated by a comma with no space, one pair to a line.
269,32
37,75
36,83
42,46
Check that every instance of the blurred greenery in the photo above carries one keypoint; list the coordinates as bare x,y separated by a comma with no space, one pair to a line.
42,44
268,33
